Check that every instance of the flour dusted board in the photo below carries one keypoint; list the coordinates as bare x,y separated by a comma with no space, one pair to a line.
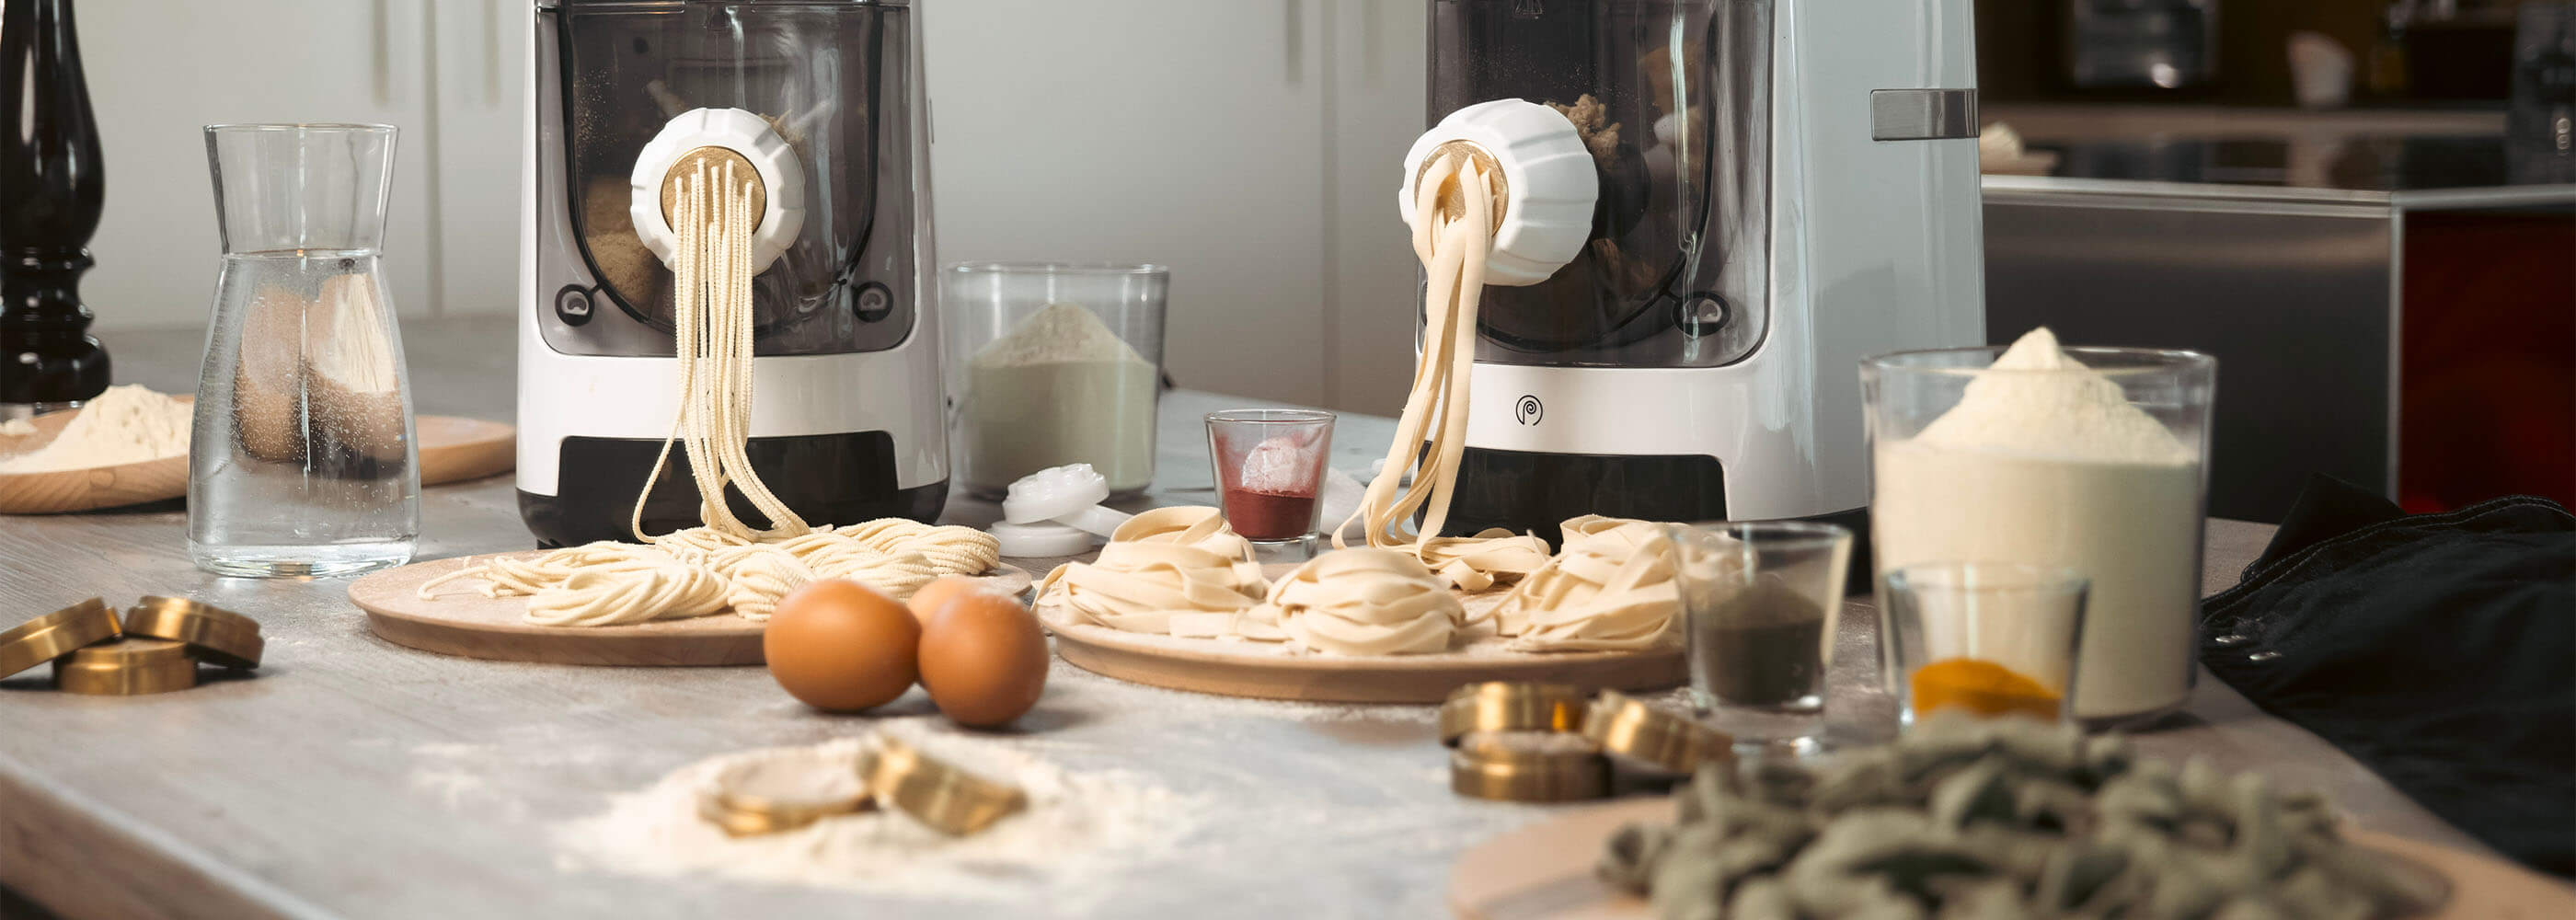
1544,872
460,621
451,450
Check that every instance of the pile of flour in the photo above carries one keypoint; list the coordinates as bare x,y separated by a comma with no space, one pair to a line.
2045,461
126,424
1076,825
1060,388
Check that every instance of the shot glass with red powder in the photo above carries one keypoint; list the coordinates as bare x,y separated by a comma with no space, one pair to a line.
1270,469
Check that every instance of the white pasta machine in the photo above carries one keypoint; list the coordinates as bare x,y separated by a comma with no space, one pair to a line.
1783,188
823,103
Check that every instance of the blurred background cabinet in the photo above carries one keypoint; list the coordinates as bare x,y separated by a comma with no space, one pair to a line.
159,72
1251,145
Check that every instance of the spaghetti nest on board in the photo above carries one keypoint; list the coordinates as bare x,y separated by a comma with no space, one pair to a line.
725,563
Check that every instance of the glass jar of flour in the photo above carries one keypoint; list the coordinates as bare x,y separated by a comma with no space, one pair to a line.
1050,364
2092,459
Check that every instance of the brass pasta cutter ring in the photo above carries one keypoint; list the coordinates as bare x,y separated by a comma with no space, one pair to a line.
55,635
214,634
1487,766
948,799
129,667
1497,706
1629,728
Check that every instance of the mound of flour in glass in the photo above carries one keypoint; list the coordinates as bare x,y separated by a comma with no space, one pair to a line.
125,424
2046,461
1076,826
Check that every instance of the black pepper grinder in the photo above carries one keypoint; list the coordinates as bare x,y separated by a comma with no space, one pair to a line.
50,195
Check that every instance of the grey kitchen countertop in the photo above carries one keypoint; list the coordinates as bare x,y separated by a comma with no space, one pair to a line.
2206,156
354,778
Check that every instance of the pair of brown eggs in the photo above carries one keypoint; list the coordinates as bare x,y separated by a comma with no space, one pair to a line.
842,646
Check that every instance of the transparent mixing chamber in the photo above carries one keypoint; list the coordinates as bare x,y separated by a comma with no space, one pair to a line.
834,80
1673,99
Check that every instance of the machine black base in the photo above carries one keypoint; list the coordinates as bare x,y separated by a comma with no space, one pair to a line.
830,478
1526,492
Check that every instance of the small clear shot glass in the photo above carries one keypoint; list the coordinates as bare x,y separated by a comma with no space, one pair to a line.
1269,466
1992,639
1761,601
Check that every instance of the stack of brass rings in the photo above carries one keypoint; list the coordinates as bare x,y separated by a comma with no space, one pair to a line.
155,649
1521,743
1549,743
948,799
741,812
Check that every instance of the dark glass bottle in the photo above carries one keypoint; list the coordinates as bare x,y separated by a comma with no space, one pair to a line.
50,195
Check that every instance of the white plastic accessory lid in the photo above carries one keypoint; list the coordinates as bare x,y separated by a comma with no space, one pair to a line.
1550,184
1054,492
782,178
1026,541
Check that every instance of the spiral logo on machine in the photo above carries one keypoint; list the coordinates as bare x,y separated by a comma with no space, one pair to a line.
1528,410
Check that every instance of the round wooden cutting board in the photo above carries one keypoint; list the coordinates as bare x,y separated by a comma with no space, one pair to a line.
1264,670
451,450
1544,872
460,621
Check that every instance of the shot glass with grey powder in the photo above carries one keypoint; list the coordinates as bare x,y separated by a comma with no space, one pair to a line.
1760,601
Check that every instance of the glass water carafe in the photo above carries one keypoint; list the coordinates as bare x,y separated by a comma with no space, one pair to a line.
302,461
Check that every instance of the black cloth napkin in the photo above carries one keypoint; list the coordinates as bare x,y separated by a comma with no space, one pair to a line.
2439,649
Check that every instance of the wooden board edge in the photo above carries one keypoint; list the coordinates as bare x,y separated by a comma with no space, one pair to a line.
1353,680
626,650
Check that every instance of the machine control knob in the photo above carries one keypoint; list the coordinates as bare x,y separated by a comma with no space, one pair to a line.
573,305
1549,184
873,303
782,179
1701,314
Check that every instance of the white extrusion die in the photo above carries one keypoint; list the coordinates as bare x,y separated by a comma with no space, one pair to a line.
1550,184
782,178
1054,492
1028,541
1095,519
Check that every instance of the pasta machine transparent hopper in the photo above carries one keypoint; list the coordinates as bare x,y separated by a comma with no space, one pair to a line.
820,100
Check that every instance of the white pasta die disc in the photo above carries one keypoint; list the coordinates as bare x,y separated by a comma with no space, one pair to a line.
782,177
1550,184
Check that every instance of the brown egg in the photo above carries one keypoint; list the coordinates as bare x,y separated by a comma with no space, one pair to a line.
842,646
931,596
983,659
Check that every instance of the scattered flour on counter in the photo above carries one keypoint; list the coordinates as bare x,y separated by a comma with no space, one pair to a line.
1077,826
126,424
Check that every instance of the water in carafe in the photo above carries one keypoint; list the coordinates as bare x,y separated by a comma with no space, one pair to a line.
302,461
